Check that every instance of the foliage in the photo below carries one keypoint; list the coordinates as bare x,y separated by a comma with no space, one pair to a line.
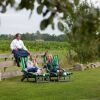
36,36
44,7
83,32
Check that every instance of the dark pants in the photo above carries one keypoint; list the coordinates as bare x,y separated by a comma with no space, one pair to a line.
17,60
19,53
54,70
33,69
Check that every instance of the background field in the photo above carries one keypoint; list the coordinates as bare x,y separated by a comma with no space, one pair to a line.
35,46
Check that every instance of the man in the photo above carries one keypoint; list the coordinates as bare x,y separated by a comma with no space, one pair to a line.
18,48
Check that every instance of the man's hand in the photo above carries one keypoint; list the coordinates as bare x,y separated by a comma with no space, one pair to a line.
29,53
16,49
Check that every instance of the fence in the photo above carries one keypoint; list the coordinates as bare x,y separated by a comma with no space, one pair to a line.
7,61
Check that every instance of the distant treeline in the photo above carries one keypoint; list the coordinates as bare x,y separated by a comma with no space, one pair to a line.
35,36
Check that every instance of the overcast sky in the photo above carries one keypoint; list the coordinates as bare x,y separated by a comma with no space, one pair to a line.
13,22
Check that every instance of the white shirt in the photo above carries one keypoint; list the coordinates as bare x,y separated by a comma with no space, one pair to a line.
17,44
29,64
40,71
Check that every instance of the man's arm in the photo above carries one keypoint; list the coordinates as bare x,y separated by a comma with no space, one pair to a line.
23,46
12,46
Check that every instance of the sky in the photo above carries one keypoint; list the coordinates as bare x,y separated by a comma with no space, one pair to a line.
13,22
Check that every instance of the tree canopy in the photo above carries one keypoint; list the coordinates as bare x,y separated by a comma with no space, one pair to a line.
53,7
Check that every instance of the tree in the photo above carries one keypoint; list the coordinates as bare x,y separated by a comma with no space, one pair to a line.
53,7
83,32
36,36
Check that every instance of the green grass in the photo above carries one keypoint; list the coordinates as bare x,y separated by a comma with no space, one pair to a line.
83,85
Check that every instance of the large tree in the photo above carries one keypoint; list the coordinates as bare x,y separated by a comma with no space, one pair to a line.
83,32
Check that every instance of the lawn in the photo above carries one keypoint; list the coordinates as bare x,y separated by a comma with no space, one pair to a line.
83,85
